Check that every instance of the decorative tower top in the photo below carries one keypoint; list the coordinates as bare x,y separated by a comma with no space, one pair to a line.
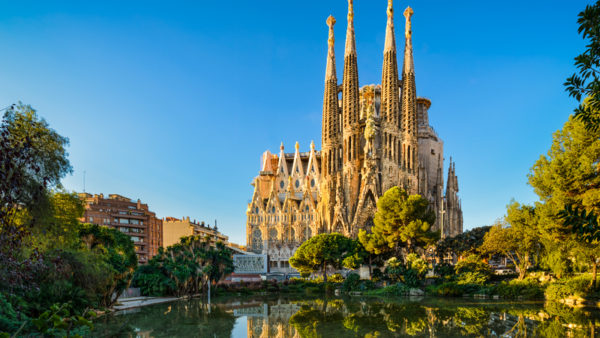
312,145
330,71
297,146
281,146
409,65
390,39
350,40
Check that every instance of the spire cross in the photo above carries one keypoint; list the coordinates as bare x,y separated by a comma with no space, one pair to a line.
330,23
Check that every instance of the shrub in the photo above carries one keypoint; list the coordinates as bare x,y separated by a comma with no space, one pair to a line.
444,270
528,288
351,282
397,289
576,286
473,270
335,278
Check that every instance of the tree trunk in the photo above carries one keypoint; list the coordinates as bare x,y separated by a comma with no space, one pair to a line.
324,272
370,263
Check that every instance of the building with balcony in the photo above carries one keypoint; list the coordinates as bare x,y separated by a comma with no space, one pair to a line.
131,217
173,229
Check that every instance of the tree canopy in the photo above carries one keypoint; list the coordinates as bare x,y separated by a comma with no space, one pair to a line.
517,237
400,221
585,84
326,250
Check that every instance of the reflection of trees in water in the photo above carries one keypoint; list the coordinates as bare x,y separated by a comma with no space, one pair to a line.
182,319
376,317
359,317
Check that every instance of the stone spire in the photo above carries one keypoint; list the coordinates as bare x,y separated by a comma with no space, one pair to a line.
389,82
350,91
330,132
350,40
409,99
330,70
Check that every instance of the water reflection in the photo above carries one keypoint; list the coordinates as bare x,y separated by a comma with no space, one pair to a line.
351,317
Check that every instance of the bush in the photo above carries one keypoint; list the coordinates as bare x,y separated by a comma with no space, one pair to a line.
336,278
444,270
351,282
528,288
152,282
473,270
10,319
576,286
397,289
451,289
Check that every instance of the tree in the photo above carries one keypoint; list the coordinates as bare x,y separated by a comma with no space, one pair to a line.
465,243
32,159
117,251
400,221
586,232
516,238
324,250
567,180
586,83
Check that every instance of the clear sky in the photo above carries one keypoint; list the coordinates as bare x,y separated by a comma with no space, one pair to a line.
174,102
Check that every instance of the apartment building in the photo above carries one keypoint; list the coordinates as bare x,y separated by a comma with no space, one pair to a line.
129,216
173,229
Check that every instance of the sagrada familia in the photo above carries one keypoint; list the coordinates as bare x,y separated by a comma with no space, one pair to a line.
373,138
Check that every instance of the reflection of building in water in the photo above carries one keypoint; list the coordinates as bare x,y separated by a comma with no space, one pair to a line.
373,138
271,321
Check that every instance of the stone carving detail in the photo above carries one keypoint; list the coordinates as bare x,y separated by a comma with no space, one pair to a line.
249,264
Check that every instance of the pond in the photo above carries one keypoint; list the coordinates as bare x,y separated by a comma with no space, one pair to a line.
350,317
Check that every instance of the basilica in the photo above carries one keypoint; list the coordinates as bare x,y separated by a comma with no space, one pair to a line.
373,137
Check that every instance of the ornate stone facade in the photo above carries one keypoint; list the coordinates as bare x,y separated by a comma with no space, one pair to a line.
373,138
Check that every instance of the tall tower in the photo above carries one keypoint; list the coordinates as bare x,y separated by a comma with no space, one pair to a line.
352,141
331,136
390,107
409,112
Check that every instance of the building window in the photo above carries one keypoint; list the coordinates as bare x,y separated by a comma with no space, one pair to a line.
91,219
134,221
312,182
281,184
297,183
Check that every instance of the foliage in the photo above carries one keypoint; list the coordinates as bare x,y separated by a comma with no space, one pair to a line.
61,321
473,270
32,159
326,250
444,270
185,268
586,83
528,288
519,241
462,244
567,181
400,221
418,264
354,283
118,252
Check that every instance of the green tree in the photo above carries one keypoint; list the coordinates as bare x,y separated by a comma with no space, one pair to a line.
400,221
585,84
117,251
567,180
465,243
516,238
323,251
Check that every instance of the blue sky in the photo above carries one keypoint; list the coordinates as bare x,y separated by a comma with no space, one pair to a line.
174,102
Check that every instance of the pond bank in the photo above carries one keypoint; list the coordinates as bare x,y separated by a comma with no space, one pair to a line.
135,302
